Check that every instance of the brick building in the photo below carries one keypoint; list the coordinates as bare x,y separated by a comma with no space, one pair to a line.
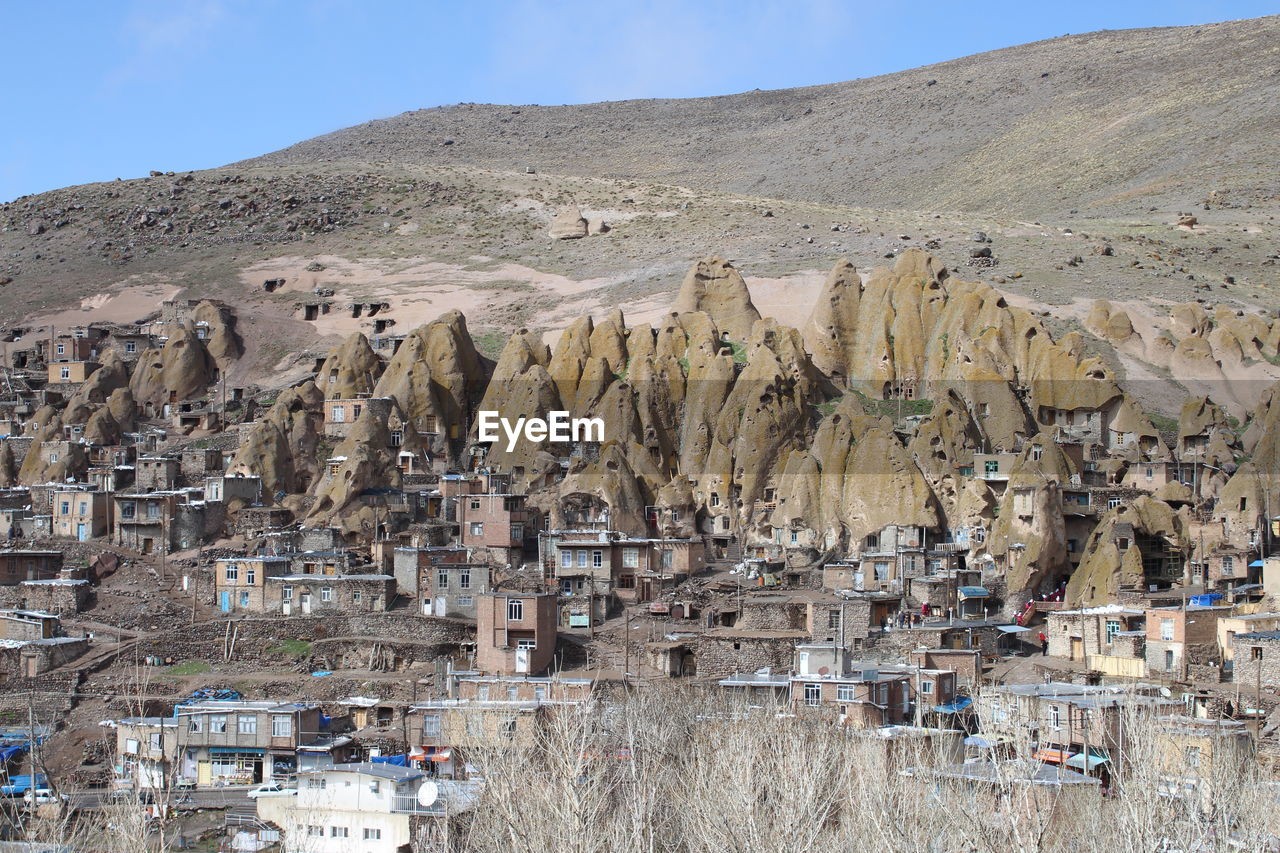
515,632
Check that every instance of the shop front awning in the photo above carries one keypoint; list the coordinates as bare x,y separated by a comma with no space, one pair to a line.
973,592
1078,761
1051,756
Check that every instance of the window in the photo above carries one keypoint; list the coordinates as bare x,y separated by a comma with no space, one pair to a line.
844,692
128,509
597,559
316,784
375,788
526,644
991,467
218,724
1149,472
517,533
337,832
539,693
795,537
777,535
1228,565
326,593
431,725
130,346
356,596
397,437
465,601
244,599
666,558
250,576
442,579
513,693
812,694
464,579
1113,628
1192,754
247,725
508,730
1166,630
1113,503
477,528
195,724
482,692
566,558
65,373
1168,660
66,507
338,414
355,412
286,593
233,572
926,687
153,510
474,503
371,834
1055,717
582,558
313,830
131,746
282,726
1255,652
84,508
1037,452
715,499
515,610
631,558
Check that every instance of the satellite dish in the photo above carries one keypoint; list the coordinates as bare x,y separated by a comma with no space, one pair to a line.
428,793
822,670
1166,692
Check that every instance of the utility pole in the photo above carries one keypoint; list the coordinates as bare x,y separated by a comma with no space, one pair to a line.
626,648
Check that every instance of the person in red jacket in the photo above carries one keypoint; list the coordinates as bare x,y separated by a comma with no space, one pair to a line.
1044,644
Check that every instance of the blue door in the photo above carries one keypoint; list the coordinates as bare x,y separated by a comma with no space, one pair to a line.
225,602
82,532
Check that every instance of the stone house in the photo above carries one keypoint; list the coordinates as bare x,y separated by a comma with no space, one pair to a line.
1110,629
63,595
497,523
71,372
240,583
17,565
411,568
1256,659
229,488
861,694
451,588
302,595
1229,627
515,632
81,515
146,752
603,562
162,522
721,652
1182,642
156,473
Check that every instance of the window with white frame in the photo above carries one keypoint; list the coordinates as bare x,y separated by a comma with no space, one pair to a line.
218,723
250,576
326,593
631,558
282,726
926,687
515,610
845,692
247,724
566,558
316,783
812,694
372,834
233,572
337,832
442,579
597,559
465,601
195,724
431,725
477,528
464,579
1166,630
338,414
286,593
582,558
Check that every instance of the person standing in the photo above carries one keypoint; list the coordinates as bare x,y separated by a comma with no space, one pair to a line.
1044,644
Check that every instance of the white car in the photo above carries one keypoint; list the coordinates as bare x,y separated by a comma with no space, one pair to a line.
43,797
270,789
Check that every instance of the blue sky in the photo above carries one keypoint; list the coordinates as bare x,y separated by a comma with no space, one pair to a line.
99,89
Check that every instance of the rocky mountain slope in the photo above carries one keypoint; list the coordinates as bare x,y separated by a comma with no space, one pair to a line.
1113,120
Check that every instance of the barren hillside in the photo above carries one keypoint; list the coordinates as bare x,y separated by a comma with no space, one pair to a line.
1110,121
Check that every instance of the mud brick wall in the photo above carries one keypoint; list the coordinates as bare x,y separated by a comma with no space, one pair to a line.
59,598
254,637
720,657
50,696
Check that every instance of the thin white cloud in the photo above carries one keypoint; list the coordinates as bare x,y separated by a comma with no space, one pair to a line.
155,34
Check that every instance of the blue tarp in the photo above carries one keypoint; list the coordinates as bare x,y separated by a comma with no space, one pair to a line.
953,707
325,721
397,760
321,673
973,592
1205,600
